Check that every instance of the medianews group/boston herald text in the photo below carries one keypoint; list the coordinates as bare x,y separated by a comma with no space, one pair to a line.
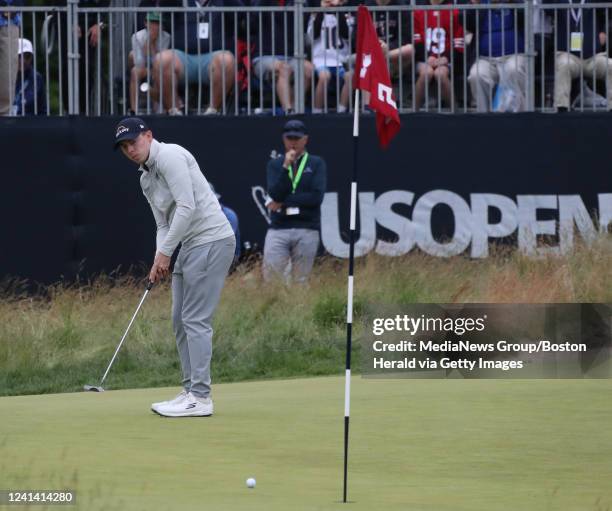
541,346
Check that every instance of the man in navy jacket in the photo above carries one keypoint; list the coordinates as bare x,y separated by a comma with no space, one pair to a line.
296,185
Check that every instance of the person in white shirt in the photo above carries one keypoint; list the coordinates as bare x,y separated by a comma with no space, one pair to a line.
329,34
146,43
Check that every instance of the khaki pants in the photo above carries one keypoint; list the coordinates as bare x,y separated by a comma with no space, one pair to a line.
287,250
8,66
486,73
569,66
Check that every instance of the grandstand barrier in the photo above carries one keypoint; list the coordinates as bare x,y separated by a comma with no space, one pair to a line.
102,61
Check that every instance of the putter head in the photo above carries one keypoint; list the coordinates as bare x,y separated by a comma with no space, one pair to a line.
93,388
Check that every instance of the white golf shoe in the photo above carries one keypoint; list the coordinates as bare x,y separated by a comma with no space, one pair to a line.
180,397
190,406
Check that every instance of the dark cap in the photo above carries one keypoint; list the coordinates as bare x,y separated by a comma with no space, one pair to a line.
129,128
294,128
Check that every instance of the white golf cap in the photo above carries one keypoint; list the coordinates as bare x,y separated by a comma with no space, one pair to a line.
25,46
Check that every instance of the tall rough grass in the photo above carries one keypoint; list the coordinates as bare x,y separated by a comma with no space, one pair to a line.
64,338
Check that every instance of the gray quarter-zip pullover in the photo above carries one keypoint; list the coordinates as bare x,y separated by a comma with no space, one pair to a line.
185,208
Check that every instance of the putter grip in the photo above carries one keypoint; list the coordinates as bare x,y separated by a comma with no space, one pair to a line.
149,285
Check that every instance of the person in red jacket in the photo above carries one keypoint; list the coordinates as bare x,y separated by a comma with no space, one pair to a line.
437,33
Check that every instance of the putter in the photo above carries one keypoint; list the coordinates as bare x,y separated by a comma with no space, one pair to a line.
99,388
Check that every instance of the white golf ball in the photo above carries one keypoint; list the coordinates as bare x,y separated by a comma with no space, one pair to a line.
250,482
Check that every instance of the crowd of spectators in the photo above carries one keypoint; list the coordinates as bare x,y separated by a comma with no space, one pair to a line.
474,58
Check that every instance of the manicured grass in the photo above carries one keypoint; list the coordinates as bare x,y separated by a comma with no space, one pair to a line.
428,445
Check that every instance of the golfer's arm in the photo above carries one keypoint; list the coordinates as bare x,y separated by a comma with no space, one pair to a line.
162,227
175,170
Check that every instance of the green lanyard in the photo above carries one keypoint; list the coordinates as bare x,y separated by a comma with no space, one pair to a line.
295,181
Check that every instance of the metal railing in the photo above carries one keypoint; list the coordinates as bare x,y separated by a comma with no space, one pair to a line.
449,58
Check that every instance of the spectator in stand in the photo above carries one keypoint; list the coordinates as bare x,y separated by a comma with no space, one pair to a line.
206,57
273,61
9,34
581,50
499,37
29,86
329,34
296,185
146,43
387,26
436,35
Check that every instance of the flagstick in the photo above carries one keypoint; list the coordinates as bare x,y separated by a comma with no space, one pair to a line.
349,307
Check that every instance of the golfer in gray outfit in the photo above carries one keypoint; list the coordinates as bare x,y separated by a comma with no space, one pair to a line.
186,211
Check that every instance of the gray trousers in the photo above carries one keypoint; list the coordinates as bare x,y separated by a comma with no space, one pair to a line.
284,246
197,281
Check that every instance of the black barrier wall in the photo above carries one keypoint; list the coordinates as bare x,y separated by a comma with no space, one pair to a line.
447,185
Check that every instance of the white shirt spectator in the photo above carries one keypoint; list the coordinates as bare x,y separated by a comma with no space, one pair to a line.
328,50
140,43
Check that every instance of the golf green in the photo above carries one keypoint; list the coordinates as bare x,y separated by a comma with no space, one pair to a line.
415,445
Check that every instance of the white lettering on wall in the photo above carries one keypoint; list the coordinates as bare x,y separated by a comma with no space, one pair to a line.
567,217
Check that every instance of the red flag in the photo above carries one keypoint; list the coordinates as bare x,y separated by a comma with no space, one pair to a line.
371,74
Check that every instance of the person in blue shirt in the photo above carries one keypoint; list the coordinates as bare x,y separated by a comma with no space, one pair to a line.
10,22
296,183
500,48
29,85
232,218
